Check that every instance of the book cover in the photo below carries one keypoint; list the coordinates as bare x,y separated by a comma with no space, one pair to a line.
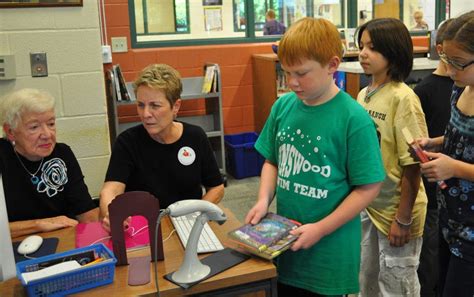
136,236
116,83
269,238
123,86
208,79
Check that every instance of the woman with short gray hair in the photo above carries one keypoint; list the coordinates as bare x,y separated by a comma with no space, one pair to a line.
43,183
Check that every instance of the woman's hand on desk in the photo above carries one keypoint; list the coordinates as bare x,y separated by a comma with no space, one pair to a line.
21,228
54,223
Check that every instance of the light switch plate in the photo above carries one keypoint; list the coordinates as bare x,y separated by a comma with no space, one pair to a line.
119,44
7,67
39,64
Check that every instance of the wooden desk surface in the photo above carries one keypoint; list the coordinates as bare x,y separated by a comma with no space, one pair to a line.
249,271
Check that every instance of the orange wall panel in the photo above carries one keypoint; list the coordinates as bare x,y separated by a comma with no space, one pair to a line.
421,41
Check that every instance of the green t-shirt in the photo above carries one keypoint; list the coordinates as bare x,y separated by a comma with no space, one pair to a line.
321,152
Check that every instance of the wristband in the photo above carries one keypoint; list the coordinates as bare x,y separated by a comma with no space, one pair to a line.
403,225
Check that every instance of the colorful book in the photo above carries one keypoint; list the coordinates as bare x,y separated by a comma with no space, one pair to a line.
209,78
136,236
267,239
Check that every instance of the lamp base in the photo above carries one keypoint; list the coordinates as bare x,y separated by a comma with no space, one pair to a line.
217,262
187,275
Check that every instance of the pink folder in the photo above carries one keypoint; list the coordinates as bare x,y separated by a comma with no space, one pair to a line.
136,236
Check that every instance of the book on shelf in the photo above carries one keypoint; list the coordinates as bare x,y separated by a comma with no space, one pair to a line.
210,80
116,83
122,86
267,239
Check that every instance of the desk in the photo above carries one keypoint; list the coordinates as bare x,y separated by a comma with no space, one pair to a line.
357,80
418,51
254,275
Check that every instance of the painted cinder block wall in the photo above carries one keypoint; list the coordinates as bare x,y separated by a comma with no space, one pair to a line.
70,36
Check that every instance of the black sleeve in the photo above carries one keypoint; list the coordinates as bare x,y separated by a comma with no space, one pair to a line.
422,92
211,175
77,193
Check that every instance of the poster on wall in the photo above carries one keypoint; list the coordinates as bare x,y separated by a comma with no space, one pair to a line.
213,18
211,2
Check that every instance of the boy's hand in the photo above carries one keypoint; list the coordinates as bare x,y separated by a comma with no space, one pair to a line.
398,236
308,235
439,168
256,213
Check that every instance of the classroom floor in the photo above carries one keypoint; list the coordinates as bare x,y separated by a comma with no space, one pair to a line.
241,194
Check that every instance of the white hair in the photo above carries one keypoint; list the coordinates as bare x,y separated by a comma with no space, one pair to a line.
15,104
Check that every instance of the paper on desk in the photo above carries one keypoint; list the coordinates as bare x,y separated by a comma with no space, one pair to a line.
52,270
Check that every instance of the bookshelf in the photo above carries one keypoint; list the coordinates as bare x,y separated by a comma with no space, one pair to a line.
269,84
123,114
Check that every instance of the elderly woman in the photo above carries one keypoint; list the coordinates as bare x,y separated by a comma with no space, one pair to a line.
170,159
44,185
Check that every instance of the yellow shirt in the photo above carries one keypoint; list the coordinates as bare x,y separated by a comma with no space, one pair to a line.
394,107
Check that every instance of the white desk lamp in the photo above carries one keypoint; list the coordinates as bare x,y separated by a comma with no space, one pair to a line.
191,269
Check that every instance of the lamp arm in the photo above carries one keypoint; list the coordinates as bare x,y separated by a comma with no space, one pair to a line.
192,270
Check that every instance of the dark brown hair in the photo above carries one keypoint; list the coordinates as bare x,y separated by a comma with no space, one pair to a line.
391,38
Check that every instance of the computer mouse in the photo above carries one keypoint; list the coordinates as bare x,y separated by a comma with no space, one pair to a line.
30,245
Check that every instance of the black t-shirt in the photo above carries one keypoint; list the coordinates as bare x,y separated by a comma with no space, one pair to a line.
60,189
434,92
171,172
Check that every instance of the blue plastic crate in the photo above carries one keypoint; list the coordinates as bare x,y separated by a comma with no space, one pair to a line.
70,282
241,157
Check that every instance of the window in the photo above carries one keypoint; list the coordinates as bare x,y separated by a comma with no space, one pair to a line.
184,22
428,12
188,22
161,17
330,10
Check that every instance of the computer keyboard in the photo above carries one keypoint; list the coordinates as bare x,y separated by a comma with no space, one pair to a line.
208,242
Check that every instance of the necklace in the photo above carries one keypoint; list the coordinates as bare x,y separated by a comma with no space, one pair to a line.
34,179
369,92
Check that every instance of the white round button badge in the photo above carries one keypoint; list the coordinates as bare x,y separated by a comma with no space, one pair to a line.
186,155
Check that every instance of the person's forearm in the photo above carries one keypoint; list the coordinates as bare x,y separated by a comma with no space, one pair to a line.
214,194
352,205
21,228
108,193
410,185
89,216
437,143
464,170
105,199
268,181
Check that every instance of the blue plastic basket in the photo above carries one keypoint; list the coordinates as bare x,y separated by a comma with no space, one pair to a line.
69,282
242,158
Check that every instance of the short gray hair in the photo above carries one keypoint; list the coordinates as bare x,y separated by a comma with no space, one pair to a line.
15,104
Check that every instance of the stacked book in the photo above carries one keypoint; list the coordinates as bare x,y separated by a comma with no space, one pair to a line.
267,239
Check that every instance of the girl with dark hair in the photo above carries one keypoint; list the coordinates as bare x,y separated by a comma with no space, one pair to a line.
392,225
453,161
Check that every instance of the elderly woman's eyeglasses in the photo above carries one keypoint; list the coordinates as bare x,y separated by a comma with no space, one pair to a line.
454,64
